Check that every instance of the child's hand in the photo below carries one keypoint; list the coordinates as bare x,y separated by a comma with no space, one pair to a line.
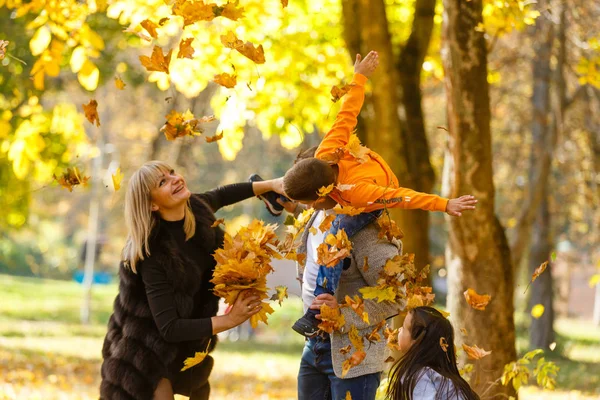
368,65
456,206
321,299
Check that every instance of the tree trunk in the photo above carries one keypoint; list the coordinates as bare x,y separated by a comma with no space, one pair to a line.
409,66
477,253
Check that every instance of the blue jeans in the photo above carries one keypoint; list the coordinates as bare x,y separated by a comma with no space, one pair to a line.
317,381
328,278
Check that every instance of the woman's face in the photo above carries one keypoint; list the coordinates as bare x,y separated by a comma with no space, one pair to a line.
169,192
405,340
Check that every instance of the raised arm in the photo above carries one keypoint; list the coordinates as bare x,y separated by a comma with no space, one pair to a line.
346,120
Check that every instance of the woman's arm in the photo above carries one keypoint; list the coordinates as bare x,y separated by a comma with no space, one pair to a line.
230,194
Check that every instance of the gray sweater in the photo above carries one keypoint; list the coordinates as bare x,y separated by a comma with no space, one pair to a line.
364,244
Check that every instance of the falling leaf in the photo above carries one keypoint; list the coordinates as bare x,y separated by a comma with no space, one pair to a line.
185,49
284,3
158,61
388,228
474,352
348,395
162,21
357,150
220,221
335,248
539,270
333,157
366,264
117,177
464,331
119,83
324,191
391,337
3,45
331,319
358,306
553,256
381,294
346,350
197,359
552,346
255,54
446,314
210,139
537,311
248,86
231,41
390,359
339,92
232,12
193,11
354,360
374,336
226,80
150,27
355,338
185,124
91,112
280,294
444,344
347,210
70,178
477,301
327,221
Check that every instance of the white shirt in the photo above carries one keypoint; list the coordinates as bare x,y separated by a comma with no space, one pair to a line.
311,268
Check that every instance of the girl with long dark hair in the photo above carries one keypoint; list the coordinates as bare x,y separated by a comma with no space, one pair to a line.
427,368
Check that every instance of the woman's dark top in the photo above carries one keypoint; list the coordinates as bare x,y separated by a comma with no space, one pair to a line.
160,291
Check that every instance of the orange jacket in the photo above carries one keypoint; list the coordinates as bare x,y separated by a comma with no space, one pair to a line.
374,184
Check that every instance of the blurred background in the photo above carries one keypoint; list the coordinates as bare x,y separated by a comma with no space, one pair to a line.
59,250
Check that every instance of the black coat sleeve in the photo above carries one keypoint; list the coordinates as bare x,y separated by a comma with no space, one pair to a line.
227,194
164,311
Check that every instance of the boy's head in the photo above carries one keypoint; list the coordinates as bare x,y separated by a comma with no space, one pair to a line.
306,177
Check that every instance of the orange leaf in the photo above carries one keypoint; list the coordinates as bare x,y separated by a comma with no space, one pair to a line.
391,337
477,301
284,3
374,335
158,61
255,54
312,230
220,221
91,112
70,178
353,361
331,319
231,41
390,359
539,270
150,27
119,83
347,210
475,353
193,11
366,264
444,344
183,124
326,224
226,80
210,139
388,228
230,11
185,49
162,21
3,45
339,92
358,306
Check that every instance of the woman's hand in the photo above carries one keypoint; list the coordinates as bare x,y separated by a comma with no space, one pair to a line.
321,299
245,306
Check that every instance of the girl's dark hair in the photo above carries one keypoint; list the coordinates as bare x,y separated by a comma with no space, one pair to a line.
428,327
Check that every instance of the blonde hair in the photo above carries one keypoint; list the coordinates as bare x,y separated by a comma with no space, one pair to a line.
140,219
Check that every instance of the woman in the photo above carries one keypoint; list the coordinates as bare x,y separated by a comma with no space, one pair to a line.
165,310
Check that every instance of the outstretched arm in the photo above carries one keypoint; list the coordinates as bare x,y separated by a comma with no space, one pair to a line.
346,120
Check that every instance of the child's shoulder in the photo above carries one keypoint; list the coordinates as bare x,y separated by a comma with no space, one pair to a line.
430,383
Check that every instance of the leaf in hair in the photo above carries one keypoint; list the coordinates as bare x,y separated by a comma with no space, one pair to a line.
444,344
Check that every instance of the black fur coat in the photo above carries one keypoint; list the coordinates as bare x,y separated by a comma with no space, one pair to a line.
135,354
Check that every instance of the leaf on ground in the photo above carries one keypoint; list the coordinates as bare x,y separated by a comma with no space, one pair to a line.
280,294
117,177
474,352
71,178
220,221
119,84
210,139
477,301
91,112
185,48
158,61
150,27
226,80
197,359
339,92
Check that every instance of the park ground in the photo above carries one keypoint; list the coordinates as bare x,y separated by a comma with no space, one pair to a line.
46,354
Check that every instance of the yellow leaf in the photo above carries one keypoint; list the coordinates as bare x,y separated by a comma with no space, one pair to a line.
117,177
280,294
78,58
255,54
230,11
119,84
537,311
347,210
88,76
40,40
3,45
339,92
185,49
197,359
284,4
324,191
353,361
331,319
326,224
158,61
312,230
594,280
348,395
150,27
381,294
358,151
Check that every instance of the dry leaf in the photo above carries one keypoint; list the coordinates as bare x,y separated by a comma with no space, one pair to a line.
346,350
355,338
366,264
464,331
444,344
358,151
3,45
474,352
477,301
197,359
539,270
231,41
327,221
220,221
226,80
210,139
193,11
312,230
333,157
284,3
158,61
335,248
185,49
91,112
185,124
70,178
391,337
280,294
230,11
339,92
162,21
119,84
150,27
353,361
331,319
324,191
348,395
117,177
255,54
374,336
390,359
358,306
388,228
347,210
